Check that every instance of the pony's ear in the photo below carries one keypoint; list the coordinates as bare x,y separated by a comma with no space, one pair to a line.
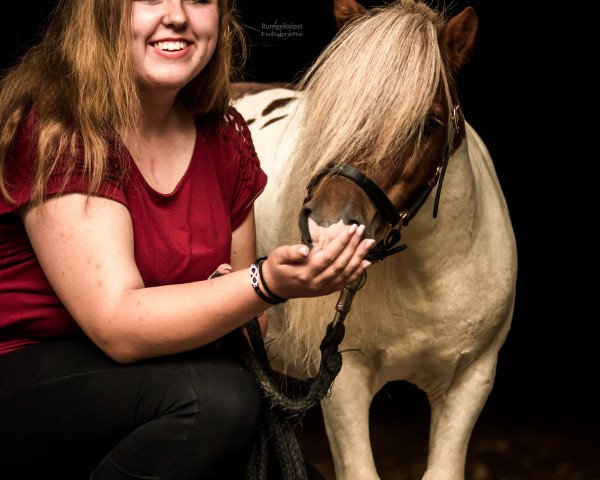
457,38
346,10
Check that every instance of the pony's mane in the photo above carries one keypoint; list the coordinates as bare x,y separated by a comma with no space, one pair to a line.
365,99
367,95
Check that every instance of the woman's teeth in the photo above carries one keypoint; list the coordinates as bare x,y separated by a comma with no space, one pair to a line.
171,46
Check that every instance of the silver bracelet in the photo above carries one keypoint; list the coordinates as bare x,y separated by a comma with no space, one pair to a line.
256,279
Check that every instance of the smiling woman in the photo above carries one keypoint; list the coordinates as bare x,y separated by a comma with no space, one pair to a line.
126,182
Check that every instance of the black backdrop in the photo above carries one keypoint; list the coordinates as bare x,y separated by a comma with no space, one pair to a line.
546,365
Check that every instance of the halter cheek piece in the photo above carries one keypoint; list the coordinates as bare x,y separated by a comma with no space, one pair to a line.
396,220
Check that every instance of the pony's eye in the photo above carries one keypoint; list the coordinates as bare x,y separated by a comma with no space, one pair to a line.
430,125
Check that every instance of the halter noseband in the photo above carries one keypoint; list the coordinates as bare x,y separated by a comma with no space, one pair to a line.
396,220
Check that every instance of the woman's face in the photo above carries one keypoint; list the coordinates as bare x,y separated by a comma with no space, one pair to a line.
173,40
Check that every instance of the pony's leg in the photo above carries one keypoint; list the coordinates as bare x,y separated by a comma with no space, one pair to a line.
453,415
346,416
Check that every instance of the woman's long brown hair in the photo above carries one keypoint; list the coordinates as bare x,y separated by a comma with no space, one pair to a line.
81,82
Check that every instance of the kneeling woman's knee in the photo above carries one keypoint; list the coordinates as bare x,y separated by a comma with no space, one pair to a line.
225,419
216,399
234,402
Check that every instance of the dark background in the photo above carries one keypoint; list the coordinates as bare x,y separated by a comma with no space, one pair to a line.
517,94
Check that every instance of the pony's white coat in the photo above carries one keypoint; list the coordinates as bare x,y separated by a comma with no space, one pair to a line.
435,315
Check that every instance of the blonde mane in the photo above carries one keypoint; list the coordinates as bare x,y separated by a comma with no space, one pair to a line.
365,100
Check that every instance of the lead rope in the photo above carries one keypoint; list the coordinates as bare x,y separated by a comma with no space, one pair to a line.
276,429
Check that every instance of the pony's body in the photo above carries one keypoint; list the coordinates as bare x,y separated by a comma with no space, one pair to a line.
435,315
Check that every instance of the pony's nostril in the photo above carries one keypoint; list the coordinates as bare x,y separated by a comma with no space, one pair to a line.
353,222
303,224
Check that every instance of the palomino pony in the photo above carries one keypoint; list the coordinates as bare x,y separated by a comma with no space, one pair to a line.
380,101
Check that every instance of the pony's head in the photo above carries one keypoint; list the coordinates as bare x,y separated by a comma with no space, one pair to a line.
380,101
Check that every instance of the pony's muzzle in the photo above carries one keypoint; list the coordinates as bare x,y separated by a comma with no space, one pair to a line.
312,224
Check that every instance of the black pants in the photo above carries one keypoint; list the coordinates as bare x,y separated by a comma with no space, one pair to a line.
68,411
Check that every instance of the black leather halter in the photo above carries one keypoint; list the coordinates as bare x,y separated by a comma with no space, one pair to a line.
396,219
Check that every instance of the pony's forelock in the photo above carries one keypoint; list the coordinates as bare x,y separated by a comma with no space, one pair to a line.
369,91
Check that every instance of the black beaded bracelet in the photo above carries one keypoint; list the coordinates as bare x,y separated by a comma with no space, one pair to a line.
271,295
256,275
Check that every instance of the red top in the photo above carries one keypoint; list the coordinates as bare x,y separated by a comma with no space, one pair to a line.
180,237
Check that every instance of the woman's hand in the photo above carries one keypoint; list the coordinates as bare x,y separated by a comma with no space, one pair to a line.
292,271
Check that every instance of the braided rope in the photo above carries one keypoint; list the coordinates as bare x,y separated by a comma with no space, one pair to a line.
278,409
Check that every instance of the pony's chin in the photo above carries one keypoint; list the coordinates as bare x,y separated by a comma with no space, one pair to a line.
323,235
